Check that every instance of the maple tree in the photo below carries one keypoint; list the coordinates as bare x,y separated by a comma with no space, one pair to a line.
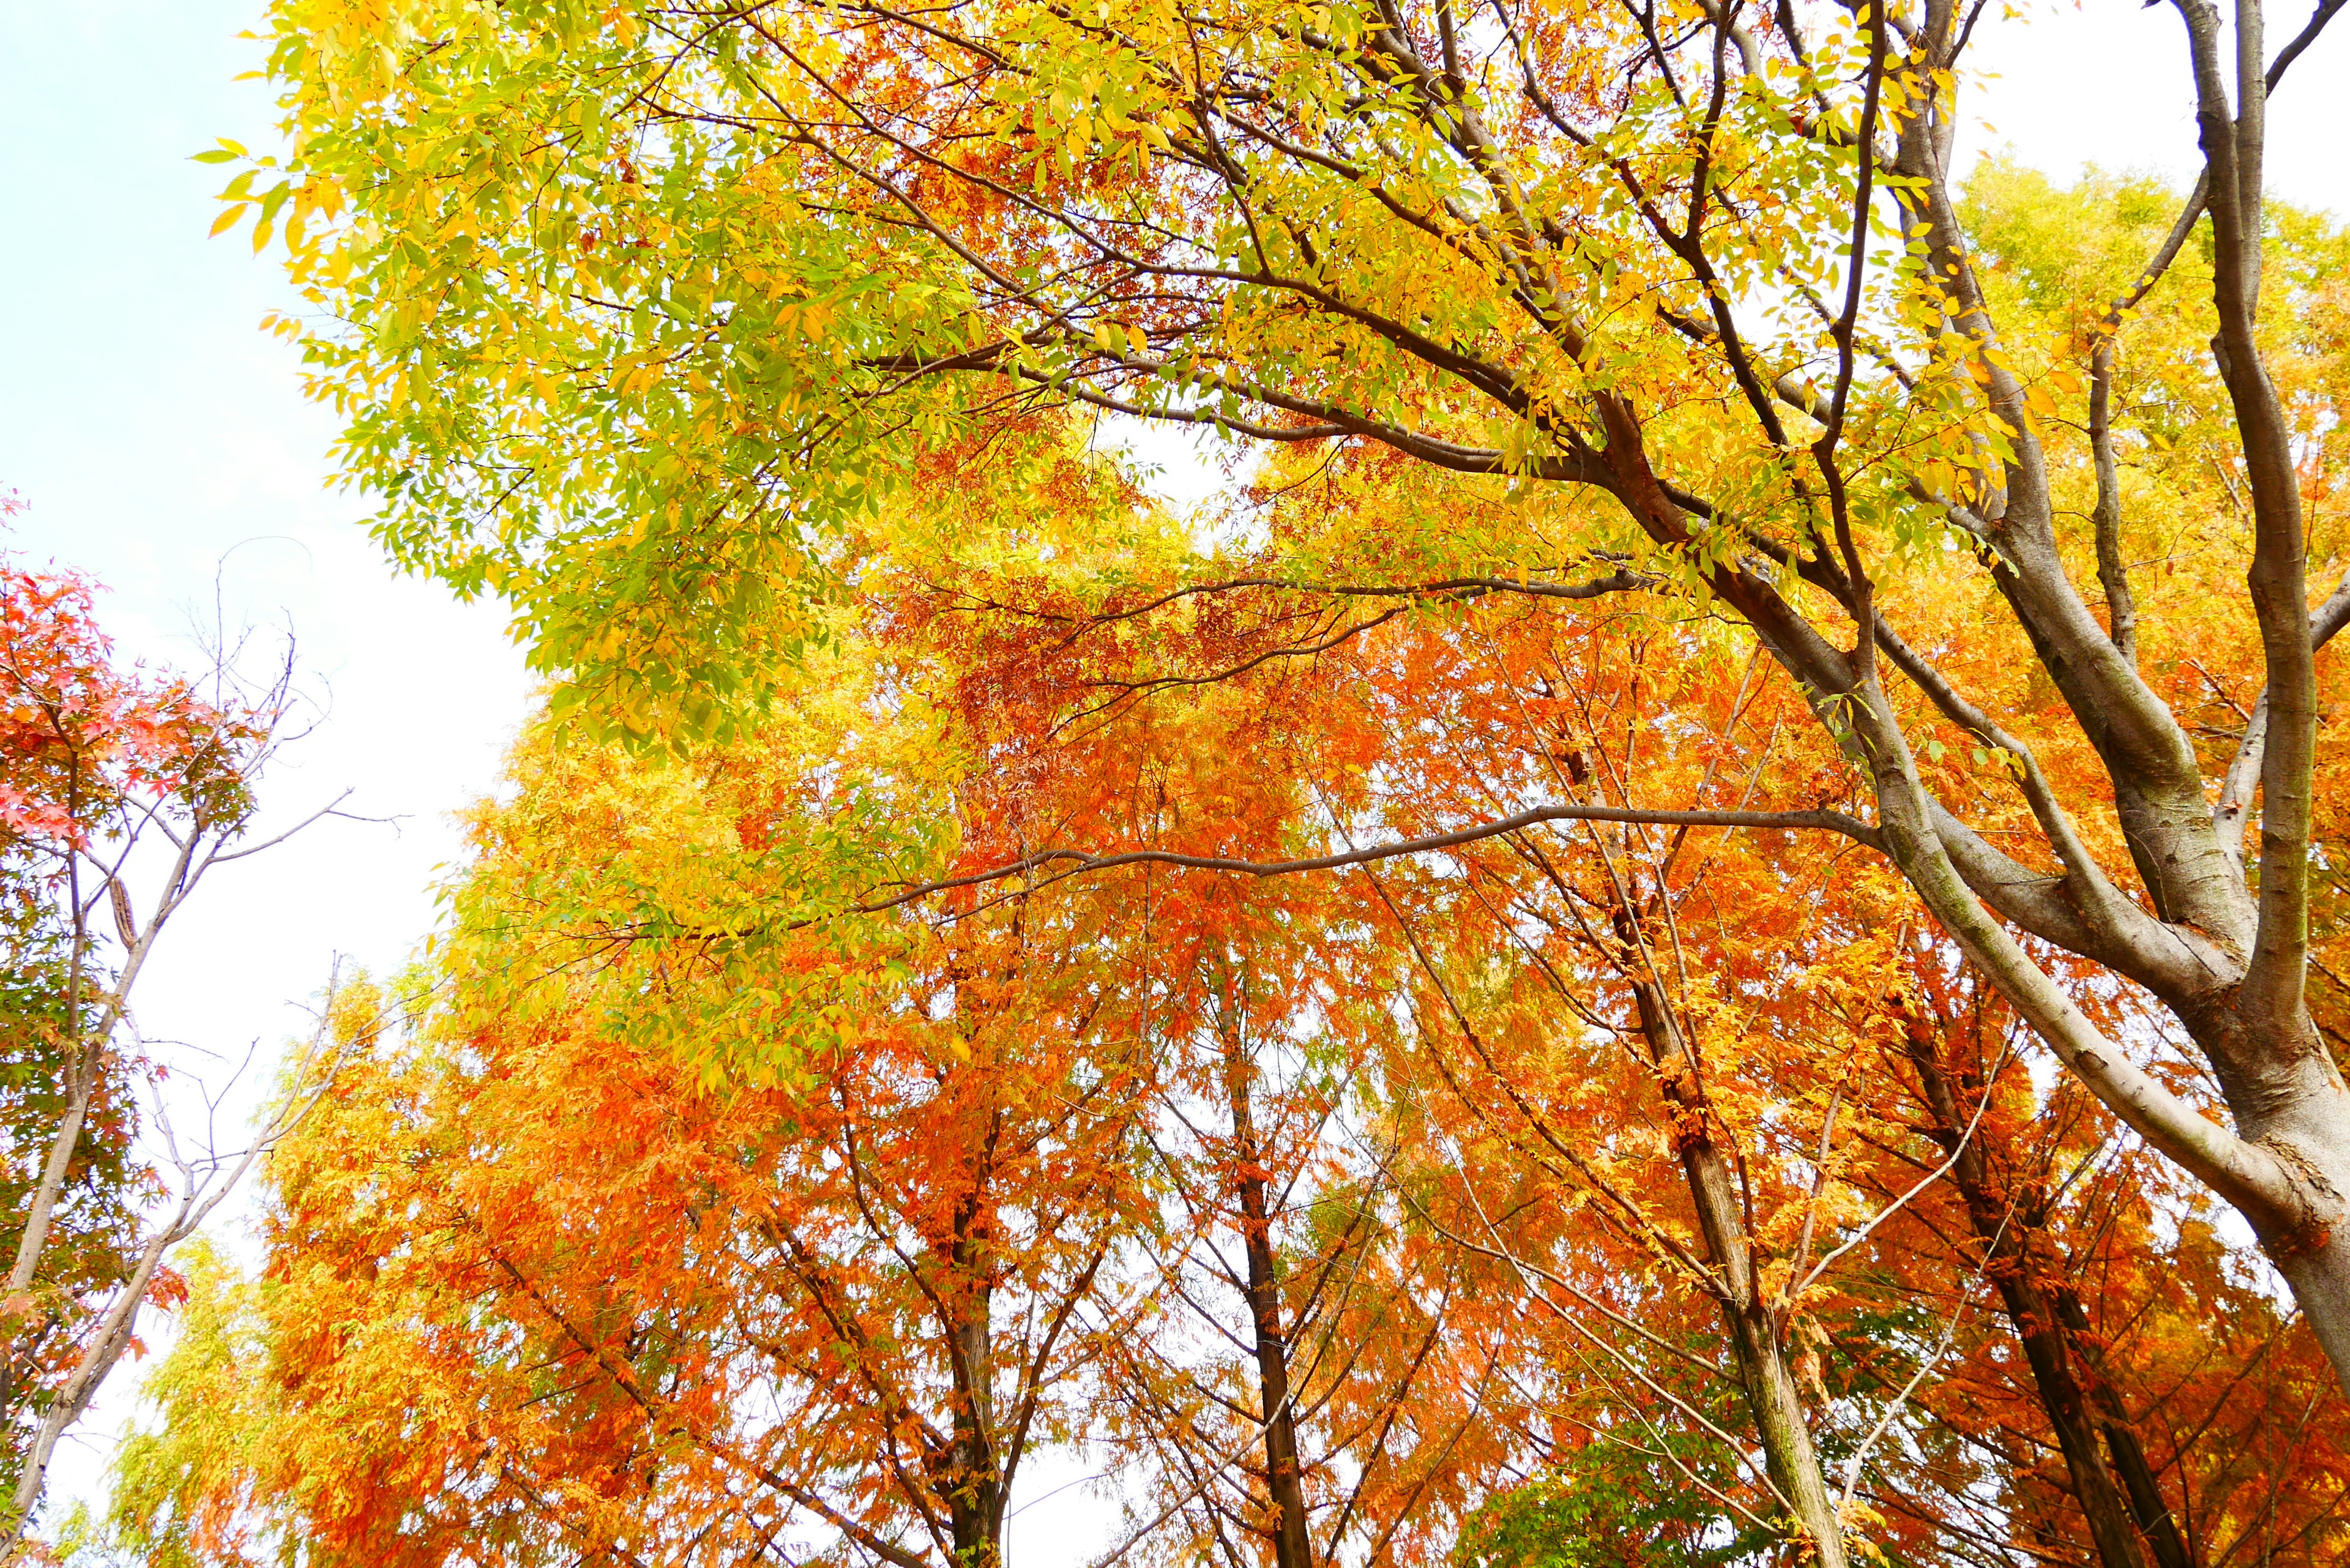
102,767
92,1220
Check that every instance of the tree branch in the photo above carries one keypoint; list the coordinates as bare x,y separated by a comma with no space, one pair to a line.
1074,861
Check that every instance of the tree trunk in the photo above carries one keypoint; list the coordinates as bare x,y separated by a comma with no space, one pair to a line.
1792,1462
970,1478
2044,1336
2288,1102
2149,1511
1291,1546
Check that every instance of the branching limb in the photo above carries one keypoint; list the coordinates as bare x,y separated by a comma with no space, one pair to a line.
1071,862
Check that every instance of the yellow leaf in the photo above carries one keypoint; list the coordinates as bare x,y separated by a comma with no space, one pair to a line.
226,221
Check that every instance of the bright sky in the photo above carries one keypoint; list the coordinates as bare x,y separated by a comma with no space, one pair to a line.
161,438
157,438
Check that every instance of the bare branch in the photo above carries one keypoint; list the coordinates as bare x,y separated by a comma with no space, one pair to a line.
1072,861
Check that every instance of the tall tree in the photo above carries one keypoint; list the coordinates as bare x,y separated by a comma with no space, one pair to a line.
2106,1429
1318,1389
540,1288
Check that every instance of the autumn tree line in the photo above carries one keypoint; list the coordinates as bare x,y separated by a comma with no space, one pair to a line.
1696,922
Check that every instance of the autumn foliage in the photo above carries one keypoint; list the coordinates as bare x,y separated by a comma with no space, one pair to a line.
122,786
1344,1215
88,743
1645,944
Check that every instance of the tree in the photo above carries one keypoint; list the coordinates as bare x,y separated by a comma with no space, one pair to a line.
1303,1387
1553,249
1316,1386
100,768
1642,1063
2161,1407
539,1289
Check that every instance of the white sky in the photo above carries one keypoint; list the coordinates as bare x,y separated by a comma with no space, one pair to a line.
155,430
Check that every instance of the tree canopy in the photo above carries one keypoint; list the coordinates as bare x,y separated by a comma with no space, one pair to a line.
1644,945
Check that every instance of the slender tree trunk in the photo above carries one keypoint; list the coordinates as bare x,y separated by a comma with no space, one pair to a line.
2111,1520
50,1188
1292,1547
2149,1510
972,1480
1777,1406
